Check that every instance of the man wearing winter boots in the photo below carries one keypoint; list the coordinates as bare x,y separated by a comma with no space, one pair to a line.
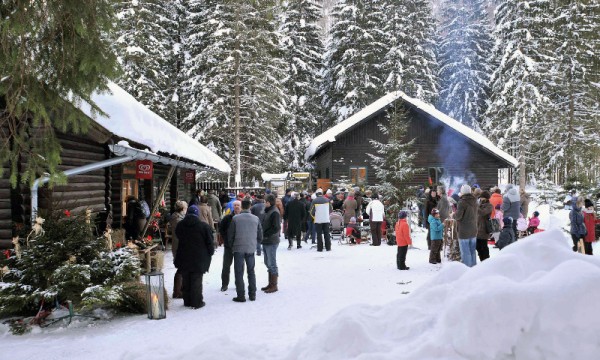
271,227
244,232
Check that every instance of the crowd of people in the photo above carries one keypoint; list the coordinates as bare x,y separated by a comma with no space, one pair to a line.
252,224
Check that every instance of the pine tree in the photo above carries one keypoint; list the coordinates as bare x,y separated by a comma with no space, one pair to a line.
234,74
518,102
303,51
353,76
40,67
574,137
145,40
409,63
464,60
393,161
66,262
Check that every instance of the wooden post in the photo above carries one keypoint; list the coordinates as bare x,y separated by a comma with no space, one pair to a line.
157,201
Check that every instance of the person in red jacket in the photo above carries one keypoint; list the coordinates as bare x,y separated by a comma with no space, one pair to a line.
402,240
590,221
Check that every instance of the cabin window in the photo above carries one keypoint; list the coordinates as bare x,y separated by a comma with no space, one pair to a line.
358,175
435,175
327,173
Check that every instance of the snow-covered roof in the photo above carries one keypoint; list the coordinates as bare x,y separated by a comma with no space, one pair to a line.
270,177
331,134
129,119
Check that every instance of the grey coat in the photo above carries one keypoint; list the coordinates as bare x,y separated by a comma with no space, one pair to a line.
511,204
244,232
466,215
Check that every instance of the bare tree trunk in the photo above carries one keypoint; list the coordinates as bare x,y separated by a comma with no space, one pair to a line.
522,164
238,172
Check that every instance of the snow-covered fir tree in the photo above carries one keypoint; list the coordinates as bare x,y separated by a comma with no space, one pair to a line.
465,66
393,161
353,75
233,83
575,113
50,51
409,62
515,116
303,50
66,261
144,44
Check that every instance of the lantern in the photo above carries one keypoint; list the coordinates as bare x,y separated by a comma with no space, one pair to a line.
155,295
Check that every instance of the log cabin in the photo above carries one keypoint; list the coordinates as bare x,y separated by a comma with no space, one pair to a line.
103,166
446,150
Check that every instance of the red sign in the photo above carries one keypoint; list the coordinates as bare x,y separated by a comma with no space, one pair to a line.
143,169
189,177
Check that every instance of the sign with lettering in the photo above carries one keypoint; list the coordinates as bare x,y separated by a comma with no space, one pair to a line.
189,177
143,169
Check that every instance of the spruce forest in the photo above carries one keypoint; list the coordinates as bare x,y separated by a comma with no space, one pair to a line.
262,78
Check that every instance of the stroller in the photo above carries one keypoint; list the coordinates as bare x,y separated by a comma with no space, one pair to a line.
336,227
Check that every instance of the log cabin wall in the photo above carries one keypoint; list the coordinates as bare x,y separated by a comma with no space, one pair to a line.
85,191
6,219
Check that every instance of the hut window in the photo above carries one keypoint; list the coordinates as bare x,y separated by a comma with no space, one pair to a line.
358,175
327,173
435,175
129,188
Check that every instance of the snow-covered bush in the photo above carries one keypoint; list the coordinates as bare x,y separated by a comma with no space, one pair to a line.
66,261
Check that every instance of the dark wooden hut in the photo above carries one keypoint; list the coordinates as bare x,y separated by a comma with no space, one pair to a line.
444,147
104,165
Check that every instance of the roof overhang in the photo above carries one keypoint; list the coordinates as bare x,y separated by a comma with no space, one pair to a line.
128,119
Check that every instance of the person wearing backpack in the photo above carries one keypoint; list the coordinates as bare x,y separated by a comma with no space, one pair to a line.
507,235
484,229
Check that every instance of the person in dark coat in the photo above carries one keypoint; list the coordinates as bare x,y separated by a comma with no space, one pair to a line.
432,203
466,217
178,215
194,255
294,215
258,210
271,226
228,253
311,230
135,220
483,217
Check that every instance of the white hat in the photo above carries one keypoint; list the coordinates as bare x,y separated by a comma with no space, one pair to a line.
465,189
329,191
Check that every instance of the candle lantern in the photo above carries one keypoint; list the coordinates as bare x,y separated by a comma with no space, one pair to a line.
155,295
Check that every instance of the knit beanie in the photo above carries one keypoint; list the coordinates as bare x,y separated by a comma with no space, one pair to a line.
465,189
507,221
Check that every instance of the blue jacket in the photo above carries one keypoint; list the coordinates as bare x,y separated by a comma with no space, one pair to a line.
577,225
436,228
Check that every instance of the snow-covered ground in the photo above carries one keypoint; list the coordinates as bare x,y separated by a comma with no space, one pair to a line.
532,301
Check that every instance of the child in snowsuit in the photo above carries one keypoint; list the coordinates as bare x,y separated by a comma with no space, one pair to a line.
436,230
402,240
352,231
534,222
507,235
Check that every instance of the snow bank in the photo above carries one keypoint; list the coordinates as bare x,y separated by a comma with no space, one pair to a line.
535,300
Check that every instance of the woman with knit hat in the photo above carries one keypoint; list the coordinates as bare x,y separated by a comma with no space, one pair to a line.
483,217
466,217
